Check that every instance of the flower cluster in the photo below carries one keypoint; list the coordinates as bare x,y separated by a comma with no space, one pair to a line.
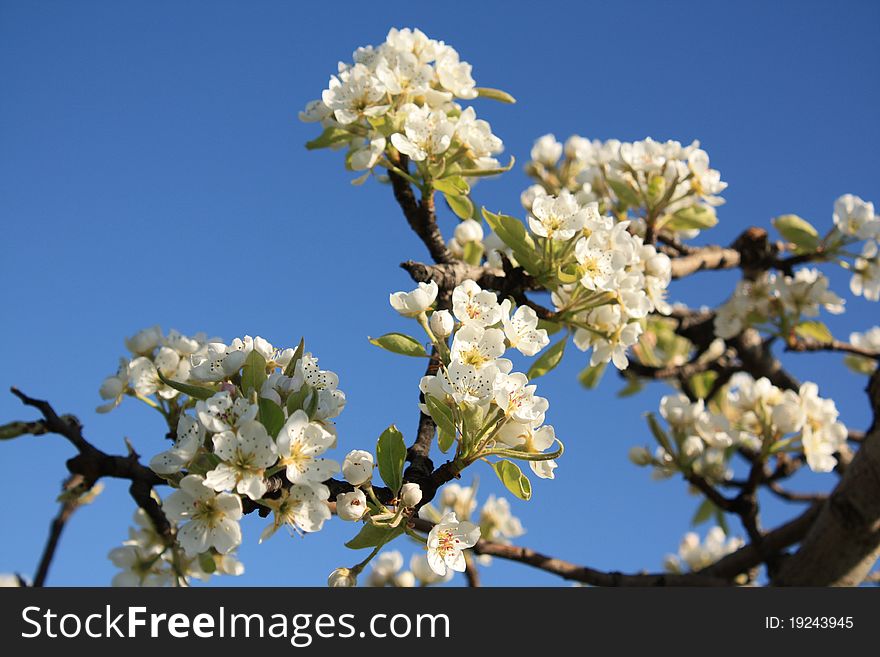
399,99
696,555
146,560
776,302
239,414
854,220
604,279
752,414
776,420
153,353
476,400
664,184
619,279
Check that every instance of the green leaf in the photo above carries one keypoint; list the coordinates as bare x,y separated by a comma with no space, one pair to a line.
705,511
550,327
207,563
473,252
400,343
196,392
633,386
329,137
701,383
693,217
797,230
462,206
568,274
625,194
311,404
253,373
374,535
495,94
297,400
548,360
297,356
482,173
271,416
815,330
391,455
513,233
860,365
513,479
452,185
445,440
591,375
659,435
442,415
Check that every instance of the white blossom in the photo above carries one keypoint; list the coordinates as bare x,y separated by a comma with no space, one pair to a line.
207,519
446,541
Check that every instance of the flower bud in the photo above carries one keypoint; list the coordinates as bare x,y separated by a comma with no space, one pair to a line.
404,580
410,495
441,323
112,387
640,456
357,467
468,231
342,577
692,446
351,506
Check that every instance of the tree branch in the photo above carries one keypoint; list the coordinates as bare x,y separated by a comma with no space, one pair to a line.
68,506
91,463
420,215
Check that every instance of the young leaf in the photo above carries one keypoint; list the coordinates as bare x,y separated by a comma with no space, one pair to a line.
658,432
815,330
253,374
444,440
482,173
400,343
296,400
550,327
633,386
462,206
297,356
372,535
311,404
328,138
196,392
626,194
271,416
513,233
690,218
548,360
797,230
452,185
442,415
391,455
591,375
513,479
705,511
473,253
207,563
495,94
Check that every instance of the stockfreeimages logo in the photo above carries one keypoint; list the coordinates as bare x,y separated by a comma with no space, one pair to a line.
299,629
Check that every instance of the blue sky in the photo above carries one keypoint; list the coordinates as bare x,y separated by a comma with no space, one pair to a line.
153,172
